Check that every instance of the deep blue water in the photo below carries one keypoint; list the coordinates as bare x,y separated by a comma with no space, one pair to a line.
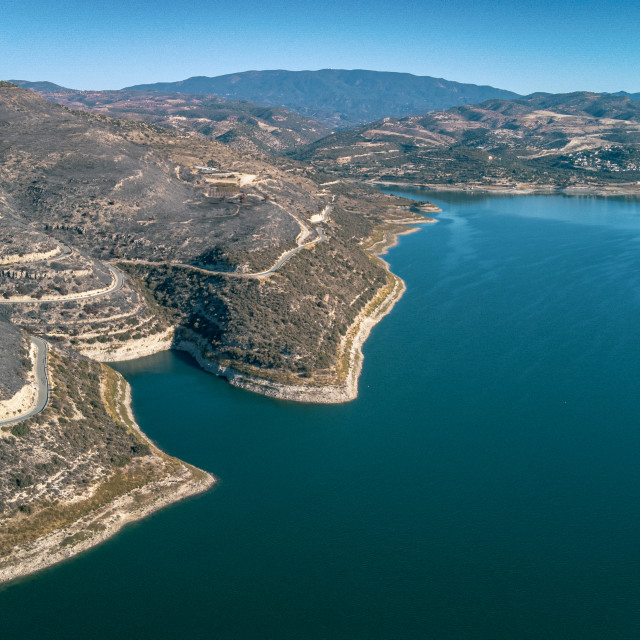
484,485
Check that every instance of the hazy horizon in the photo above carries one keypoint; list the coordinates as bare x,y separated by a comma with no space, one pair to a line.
170,80
509,45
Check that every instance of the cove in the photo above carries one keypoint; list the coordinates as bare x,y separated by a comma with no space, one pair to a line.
485,483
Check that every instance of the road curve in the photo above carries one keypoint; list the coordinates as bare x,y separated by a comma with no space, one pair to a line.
284,258
280,262
118,277
42,383
118,282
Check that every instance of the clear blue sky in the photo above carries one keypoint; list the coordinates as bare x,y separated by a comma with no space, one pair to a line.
523,46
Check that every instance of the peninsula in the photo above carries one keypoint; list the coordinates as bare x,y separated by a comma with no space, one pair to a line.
120,238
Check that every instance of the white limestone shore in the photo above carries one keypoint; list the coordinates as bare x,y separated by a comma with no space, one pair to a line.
355,338
131,349
106,521
352,343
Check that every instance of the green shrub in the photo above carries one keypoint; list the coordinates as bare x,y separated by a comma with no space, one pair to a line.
20,430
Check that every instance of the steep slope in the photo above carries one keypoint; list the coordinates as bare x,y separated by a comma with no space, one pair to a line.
338,97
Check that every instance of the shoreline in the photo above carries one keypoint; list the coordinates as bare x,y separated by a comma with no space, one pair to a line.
602,191
185,480
106,521
313,394
353,341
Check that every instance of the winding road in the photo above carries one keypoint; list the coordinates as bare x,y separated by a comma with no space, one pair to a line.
118,277
280,262
118,282
42,382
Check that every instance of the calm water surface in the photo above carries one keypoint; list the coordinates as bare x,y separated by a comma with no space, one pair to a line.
485,484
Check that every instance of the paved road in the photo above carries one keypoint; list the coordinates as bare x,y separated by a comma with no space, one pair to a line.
42,382
118,282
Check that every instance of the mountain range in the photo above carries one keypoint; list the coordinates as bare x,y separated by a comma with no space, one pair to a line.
543,139
337,97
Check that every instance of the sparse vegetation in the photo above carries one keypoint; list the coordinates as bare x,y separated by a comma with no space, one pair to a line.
129,191
62,469
589,139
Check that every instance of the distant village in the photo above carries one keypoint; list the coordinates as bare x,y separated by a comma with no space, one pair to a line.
595,161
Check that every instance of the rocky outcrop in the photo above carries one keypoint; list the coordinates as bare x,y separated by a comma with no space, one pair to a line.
131,349
92,514
29,257
352,356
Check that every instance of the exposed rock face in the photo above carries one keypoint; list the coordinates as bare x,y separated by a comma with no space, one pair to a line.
130,349
29,257
19,403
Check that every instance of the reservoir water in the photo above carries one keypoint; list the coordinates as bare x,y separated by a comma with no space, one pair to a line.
484,485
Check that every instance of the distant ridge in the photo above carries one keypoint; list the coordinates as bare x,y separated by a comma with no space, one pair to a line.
41,85
336,96
240,124
632,96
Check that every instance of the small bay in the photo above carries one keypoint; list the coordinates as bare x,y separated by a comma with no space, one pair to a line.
485,484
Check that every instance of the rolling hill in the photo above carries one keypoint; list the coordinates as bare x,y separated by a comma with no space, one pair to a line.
239,124
553,139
